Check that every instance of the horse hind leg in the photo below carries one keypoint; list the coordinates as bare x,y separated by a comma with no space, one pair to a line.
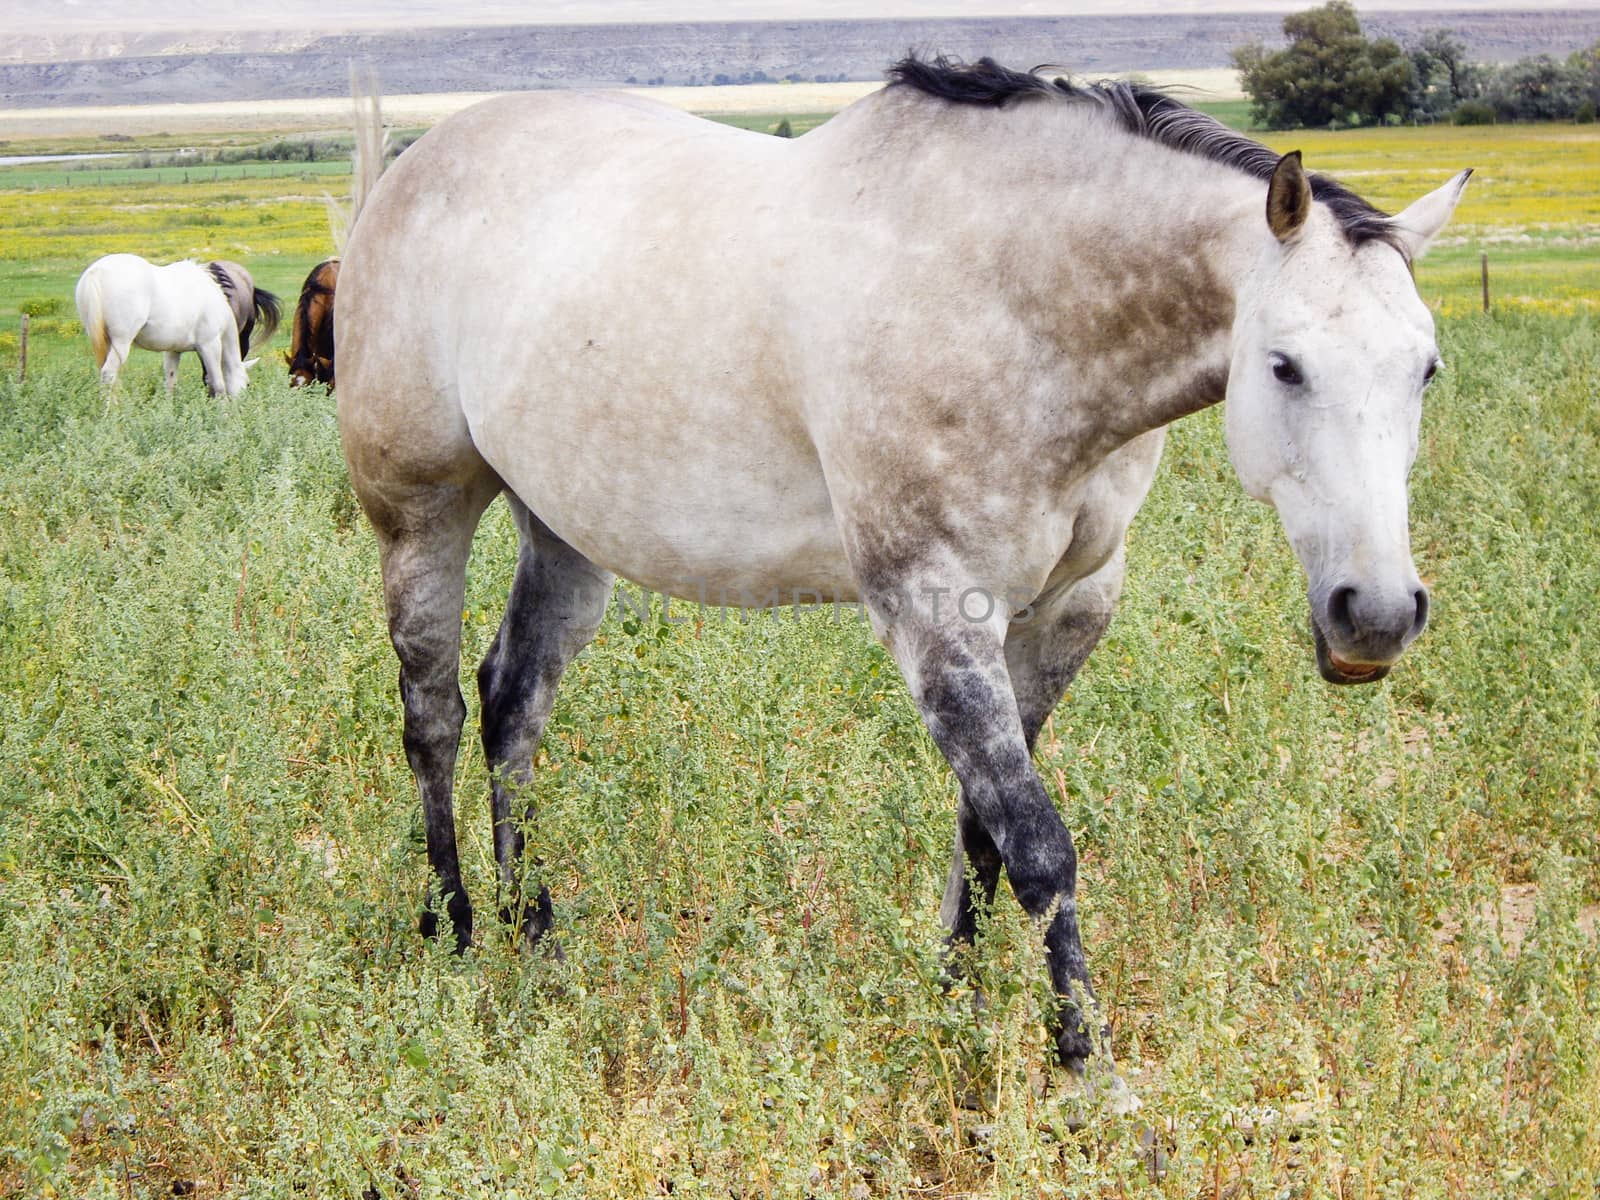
424,540
557,601
117,349
169,369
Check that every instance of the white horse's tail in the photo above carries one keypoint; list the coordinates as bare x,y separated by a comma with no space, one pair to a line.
91,311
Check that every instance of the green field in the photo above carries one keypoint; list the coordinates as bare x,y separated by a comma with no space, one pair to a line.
1346,937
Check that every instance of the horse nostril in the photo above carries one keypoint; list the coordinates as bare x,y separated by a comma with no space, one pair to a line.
1420,596
1340,621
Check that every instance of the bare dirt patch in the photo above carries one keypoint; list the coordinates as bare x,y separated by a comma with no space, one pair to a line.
1512,916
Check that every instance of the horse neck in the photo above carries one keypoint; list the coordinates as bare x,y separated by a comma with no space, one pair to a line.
1162,252
1129,257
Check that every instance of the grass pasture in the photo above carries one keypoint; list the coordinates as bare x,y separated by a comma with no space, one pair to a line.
1532,206
1346,937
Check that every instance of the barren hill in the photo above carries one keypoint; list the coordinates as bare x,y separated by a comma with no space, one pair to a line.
157,68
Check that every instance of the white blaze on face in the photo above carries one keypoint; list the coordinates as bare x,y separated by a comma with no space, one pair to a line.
1332,350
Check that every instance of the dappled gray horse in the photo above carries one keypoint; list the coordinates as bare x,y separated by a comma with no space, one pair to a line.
921,358
248,302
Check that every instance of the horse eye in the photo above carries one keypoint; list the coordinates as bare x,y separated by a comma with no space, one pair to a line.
1285,372
1433,369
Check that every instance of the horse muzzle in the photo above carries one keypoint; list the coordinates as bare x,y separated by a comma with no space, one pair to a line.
1359,636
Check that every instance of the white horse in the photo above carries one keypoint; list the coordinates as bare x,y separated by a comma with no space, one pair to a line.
124,301
921,358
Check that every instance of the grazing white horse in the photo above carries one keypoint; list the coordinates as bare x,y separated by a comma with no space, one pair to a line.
124,301
922,357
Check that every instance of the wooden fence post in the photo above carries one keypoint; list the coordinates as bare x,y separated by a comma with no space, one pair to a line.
1485,263
22,352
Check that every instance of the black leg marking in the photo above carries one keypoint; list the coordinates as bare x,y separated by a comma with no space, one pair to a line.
975,852
557,601
1043,657
424,581
984,705
434,712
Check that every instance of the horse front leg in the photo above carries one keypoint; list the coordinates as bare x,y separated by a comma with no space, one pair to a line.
1044,650
211,358
958,677
169,369
558,599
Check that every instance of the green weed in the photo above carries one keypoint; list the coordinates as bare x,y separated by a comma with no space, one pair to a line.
210,859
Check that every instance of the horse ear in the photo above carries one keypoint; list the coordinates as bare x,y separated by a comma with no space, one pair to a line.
1288,197
1418,224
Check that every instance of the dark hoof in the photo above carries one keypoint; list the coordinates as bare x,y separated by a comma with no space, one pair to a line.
537,918
528,931
1074,1046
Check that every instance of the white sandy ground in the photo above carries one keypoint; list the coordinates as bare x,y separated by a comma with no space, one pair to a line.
334,112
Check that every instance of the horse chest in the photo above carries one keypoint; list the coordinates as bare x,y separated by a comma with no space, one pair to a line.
1099,511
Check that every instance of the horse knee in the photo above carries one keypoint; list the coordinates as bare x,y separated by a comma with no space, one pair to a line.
1041,861
433,717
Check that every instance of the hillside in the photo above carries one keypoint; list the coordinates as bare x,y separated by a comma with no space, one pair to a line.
168,68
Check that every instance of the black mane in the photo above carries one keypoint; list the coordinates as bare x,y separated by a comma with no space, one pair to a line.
1142,111
220,274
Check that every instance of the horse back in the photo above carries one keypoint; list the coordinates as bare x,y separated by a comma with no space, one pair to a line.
537,273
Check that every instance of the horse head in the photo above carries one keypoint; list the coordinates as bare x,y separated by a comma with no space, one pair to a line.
236,376
1332,350
301,370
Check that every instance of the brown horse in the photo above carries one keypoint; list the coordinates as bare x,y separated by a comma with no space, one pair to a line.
310,353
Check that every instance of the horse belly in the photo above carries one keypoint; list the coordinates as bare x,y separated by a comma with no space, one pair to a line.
726,510
167,332
185,309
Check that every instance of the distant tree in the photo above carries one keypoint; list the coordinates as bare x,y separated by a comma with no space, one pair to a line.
1534,89
1448,52
784,129
1329,74
1444,77
1584,67
1530,89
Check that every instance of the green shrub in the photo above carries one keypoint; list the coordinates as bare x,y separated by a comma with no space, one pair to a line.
1473,112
